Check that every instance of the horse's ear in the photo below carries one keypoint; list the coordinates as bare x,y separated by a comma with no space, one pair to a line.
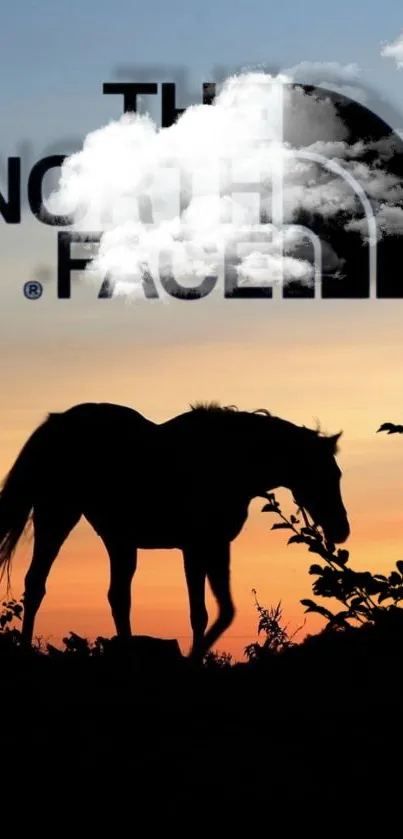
333,441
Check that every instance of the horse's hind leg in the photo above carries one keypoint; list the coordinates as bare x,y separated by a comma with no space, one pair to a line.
51,528
218,575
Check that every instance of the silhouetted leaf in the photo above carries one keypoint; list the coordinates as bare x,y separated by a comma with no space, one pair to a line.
308,603
314,607
281,526
399,565
317,548
269,508
342,556
369,584
356,602
316,569
296,539
394,579
309,531
340,617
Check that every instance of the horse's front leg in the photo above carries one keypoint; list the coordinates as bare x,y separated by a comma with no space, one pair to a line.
195,571
123,561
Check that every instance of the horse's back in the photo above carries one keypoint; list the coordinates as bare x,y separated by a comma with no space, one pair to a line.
166,481
101,439
106,413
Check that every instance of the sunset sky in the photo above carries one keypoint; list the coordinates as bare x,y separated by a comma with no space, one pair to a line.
339,362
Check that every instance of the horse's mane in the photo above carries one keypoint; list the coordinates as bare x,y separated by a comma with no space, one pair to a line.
215,407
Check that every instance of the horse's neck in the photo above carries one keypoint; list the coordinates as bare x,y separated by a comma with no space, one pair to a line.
273,454
240,438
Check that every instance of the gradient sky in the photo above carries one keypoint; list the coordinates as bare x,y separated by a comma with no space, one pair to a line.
337,361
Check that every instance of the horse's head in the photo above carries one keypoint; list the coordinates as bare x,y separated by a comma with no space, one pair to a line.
315,484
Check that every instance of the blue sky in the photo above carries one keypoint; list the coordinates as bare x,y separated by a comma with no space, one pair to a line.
54,57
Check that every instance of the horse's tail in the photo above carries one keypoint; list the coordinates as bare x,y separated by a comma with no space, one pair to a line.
17,495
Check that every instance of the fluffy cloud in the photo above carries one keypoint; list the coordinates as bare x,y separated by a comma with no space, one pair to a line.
394,50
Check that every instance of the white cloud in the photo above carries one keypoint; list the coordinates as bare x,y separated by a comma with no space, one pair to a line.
394,50
130,176
389,220
341,78
348,72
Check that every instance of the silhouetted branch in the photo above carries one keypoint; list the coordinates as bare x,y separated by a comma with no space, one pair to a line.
390,428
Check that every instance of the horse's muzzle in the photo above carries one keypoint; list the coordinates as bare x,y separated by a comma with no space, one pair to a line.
337,534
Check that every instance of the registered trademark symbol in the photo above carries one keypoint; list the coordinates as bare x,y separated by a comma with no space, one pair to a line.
33,290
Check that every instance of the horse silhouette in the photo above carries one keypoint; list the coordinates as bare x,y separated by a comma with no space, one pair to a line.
185,483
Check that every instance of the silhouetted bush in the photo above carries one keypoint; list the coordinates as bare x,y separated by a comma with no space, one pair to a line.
277,639
361,593
217,661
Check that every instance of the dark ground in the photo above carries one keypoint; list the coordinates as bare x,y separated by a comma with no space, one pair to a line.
318,726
